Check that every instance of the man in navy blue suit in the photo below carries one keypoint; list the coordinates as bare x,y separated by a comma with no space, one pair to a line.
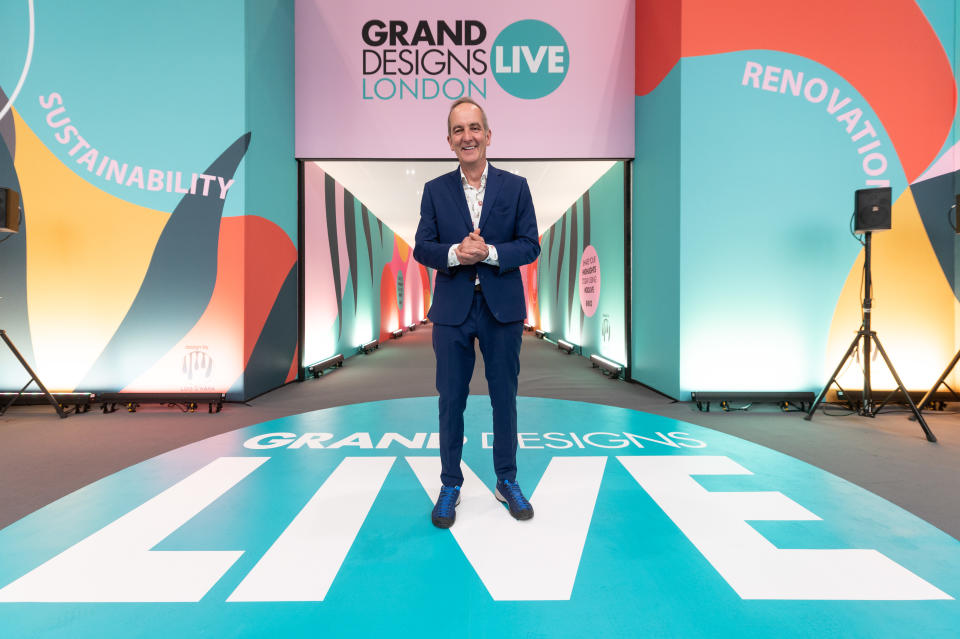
477,227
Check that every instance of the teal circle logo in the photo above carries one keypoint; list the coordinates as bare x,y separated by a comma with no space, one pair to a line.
530,59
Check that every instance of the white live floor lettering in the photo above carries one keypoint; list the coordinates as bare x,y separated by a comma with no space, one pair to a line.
116,563
529,560
516,561
292,569
716,523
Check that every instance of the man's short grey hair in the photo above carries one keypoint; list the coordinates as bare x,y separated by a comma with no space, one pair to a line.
466,100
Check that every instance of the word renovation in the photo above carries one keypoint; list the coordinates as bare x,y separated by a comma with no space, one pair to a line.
815,90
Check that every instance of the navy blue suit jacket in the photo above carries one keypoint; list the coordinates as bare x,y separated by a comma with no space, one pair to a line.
507,221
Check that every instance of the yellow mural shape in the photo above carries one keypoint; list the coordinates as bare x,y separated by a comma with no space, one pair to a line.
87,254
403,249
914,308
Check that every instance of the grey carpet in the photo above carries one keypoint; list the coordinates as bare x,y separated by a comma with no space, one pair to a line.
43,458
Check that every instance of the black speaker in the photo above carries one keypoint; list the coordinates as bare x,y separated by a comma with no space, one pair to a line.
9,210
872,208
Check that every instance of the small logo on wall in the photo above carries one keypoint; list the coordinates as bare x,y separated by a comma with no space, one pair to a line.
399,290
530,59
589,281
197,363
605,330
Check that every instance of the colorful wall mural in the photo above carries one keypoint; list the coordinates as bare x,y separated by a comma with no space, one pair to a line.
361,282
157,251
581,272
756,122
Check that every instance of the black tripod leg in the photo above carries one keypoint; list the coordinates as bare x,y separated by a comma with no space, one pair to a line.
903,389
14,398
926,398
23,362
952,392
833,377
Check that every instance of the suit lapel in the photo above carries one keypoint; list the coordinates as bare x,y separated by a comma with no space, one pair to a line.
456,192
490,194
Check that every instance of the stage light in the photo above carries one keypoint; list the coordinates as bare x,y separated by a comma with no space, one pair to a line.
784,399
31,398
369,346
527,327
189,401
539,333
565,346
424,321
331,362
412,327
397,334
608,367
80,401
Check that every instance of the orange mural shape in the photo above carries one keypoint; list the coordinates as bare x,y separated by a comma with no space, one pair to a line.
294,366
658,42
911,88
389,310
253,258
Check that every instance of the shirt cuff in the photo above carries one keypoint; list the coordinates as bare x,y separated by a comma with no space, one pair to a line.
493,259
452,256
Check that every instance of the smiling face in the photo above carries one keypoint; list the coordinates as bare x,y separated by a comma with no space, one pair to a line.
467,135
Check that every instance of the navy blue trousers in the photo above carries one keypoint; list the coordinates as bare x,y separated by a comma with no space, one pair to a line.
454,348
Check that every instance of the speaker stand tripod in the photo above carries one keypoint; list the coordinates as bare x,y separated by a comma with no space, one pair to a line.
941,381
868,408
33,378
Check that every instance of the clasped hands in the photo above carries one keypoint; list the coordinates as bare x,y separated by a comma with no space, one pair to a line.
472,249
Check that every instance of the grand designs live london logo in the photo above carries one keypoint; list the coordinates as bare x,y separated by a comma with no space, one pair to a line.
401,60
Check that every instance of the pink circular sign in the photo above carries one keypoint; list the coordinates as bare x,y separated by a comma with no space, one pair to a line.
589,281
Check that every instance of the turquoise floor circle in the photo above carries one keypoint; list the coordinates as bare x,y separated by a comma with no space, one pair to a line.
318,525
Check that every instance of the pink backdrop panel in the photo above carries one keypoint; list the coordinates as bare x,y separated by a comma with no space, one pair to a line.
590,115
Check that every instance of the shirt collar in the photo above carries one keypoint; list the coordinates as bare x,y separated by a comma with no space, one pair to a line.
483,176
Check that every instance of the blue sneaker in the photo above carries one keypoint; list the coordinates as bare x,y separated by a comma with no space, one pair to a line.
445,512
509,493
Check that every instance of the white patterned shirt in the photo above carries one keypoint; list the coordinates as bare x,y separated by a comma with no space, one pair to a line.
475,205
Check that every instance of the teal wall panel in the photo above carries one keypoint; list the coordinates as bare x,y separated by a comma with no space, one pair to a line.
752,136
767,195
595,220
124,108
656,239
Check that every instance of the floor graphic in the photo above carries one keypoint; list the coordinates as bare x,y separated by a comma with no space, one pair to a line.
318,525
